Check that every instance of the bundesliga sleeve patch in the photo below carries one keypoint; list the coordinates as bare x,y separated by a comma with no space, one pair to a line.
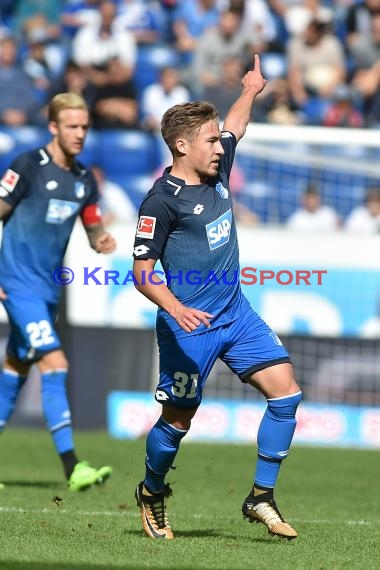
9,180
145,227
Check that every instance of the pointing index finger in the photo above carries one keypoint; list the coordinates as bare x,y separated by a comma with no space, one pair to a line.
256,62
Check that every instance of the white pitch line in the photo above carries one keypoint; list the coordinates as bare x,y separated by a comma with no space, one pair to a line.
20,510
125,513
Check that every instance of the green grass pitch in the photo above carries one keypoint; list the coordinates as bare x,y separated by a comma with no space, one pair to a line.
330,496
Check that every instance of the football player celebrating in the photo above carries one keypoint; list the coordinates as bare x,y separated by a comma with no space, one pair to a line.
41,195
186,221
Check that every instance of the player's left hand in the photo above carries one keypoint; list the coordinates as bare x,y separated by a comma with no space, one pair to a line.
105,243
3,294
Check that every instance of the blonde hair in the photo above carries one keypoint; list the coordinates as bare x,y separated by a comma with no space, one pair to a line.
64,101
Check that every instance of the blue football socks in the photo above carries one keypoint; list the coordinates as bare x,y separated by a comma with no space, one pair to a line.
162,445
10,386
274,438
56,409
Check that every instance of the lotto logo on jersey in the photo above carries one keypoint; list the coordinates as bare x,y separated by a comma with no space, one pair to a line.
218,231
9,180
145,227
60,210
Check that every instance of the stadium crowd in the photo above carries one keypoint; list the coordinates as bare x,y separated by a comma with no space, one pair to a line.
133,59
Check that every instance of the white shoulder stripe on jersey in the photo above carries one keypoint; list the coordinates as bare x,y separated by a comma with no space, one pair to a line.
176,186
45,158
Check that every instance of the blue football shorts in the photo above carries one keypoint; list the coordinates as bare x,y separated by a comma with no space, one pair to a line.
32,331
246,345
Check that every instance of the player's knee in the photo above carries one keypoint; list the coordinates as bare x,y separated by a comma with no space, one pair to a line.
53,361
179,418
284,409
12,364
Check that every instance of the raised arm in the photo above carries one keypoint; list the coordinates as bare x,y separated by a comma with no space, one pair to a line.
239,114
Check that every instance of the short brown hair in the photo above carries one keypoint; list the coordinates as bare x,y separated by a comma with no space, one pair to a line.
64,101
185,120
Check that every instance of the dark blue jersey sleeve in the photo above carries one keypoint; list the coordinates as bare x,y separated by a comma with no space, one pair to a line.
93,197
228,141
15,180
157,218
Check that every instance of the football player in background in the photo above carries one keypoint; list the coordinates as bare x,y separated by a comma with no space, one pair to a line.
186,221
41,194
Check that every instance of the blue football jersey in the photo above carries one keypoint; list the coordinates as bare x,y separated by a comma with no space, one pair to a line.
191,230
46,201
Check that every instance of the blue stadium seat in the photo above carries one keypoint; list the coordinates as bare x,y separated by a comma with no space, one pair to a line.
315,110
135,186
128,152
259,197
273,65
150,59
343,195
15,140
90,156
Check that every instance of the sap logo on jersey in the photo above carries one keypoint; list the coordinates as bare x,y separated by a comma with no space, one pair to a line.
60,210
218,231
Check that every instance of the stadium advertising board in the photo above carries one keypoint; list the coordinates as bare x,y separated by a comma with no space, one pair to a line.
132,414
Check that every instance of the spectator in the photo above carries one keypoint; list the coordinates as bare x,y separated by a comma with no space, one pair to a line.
277,105
168,10
365,219
78,14
316,63
223,93
258,23
365,50
358,19
342,111
73,80
114,202
31,14
365,47
191,19
313,216
115,103
140,19
294,15
18,102
95,45
214,46
41,63
158,97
